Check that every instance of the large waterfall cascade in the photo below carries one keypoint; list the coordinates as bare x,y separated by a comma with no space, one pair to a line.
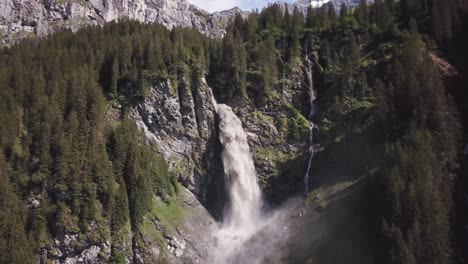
243,217
243,214
313,109
244,191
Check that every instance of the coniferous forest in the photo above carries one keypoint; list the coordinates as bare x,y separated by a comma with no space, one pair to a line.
388,113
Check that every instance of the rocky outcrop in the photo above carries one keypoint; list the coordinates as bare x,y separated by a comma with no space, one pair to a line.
159,241
72,247
180,121
24,18
193,240
186,240
278,134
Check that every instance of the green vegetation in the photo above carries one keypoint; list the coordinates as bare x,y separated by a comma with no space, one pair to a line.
169,212
58,146
386,117
270,153
323,196
263,117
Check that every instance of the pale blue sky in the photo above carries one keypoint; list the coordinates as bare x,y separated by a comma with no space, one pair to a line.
218,5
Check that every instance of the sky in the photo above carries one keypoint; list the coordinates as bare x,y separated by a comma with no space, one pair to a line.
218,5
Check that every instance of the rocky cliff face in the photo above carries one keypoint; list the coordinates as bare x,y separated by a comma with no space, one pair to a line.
181,122
24,18
278,134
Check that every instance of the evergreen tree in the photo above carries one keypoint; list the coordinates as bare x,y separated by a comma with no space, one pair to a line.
445,20
120,211
310,16
114,77
268,68
14,245
331,14
362,13
344,13
382,15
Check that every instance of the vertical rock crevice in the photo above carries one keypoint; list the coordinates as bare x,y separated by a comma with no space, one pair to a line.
181,123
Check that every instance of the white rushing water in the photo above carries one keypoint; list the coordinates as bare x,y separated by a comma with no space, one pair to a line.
242,217
312,98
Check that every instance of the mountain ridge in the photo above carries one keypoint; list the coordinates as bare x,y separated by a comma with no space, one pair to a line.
25,18
21,19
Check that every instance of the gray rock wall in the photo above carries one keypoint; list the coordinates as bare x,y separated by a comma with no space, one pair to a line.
27,18
181,122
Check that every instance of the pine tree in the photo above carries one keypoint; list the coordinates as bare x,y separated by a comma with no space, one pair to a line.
268,68
353,55
331,14
310,17
114,77
120,211
444,20
14,246
382,15
344,14
362,13
323,17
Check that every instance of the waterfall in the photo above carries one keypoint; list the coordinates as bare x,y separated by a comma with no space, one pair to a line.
243,214
241,178
313,108
248,234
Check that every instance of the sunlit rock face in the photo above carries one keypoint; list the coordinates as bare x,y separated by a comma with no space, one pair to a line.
180,122
26,18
